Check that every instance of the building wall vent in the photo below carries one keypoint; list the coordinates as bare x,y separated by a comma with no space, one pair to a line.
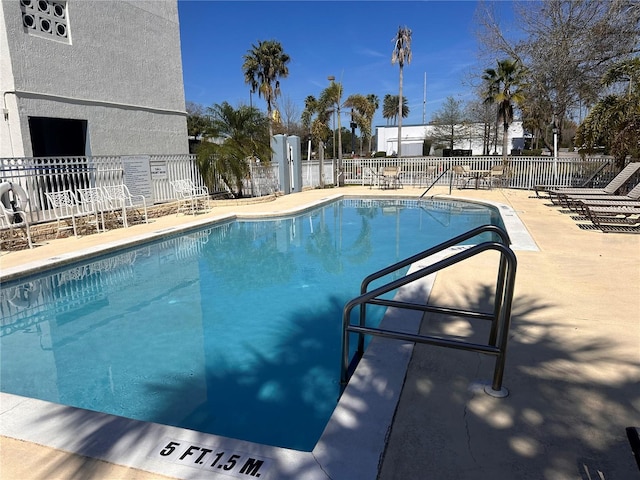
46,18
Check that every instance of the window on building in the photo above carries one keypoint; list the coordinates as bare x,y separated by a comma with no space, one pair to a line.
46,18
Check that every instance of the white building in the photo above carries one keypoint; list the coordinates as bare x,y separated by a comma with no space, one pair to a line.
91,78
470,138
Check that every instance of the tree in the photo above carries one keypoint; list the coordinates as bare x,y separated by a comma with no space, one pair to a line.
566,45
390,108
315,119
263,66
505,88
290,113
480,113
401,55
362,111
449,123
197,123
236,137
614,121
375,102
331,100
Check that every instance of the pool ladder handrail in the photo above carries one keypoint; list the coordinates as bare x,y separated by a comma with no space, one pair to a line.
436,181
500,318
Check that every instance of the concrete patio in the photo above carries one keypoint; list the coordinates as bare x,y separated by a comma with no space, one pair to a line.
573,365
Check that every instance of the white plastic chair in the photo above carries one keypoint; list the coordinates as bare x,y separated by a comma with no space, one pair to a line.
191,196
94,201
122,199
66,208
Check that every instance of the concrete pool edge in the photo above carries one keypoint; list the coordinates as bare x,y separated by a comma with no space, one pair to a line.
335,456
521,239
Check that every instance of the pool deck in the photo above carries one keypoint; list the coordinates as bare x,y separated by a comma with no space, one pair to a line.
573,363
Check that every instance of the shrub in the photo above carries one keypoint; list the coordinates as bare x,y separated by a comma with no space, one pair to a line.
532,153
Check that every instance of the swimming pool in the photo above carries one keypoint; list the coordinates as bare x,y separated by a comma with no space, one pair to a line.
244,339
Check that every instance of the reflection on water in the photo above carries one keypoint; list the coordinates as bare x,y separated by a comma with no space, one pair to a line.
233,329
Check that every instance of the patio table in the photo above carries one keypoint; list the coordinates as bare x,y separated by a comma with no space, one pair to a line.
478,175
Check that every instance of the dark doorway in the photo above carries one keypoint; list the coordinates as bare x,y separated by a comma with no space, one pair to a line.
58,137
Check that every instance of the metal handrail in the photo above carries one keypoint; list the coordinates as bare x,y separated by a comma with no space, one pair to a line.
435,181
433,250
500,318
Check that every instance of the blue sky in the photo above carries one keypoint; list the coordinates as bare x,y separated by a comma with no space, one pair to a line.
351,40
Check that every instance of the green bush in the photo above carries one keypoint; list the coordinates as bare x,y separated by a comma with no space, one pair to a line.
532,153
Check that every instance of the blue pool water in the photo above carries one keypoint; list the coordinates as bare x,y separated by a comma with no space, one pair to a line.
232,330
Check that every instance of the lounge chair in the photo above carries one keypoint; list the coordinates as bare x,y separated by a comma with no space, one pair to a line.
626,212
577,202
559,196
546,188
615,219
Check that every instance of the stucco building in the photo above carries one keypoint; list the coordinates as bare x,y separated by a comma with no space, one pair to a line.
91,78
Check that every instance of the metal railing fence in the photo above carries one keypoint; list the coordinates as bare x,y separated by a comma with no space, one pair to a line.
521,172
39,175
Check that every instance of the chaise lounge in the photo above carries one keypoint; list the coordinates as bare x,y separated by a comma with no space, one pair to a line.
559,196
577,203
615,219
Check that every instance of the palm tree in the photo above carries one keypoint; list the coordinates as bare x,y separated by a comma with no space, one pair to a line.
331,98
505,87
390,108
614,121
263,66
375,103
362,111
317,127
236,137
401,54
